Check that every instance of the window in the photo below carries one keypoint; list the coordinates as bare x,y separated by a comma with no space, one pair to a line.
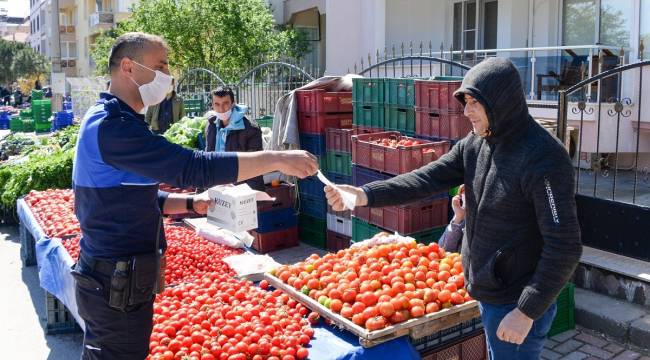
584,24
68,50
616,18
579,22
311,60
475,27
38,23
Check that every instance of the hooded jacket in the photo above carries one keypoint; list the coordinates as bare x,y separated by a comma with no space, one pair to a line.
522,239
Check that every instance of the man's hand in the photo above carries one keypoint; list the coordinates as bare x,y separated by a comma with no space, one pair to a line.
514,327
335,200
201,203
298,163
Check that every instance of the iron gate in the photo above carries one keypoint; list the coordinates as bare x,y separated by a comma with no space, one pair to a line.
194,87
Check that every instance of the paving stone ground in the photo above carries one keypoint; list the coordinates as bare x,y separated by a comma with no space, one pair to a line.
583,343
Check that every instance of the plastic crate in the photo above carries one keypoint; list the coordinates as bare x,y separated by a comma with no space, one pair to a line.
276,220
398,160
336,241
438,94
284,195
322,101
339,163
275,240
315,206
42,128
347,214
400,119
339,179
27,247
369,116
447,336
315,144
362,176
470,347
322,163
339,139
311,186
362,230
265,121
16,124
410,218
340,225
312,231
399,92
564,318
368,91
316,123
28,125
59,319
441,125
364,130
37,95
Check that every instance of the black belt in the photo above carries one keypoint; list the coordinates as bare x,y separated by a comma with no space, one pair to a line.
104,267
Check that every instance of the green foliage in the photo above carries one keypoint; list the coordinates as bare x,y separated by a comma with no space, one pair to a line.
186,132
225,34
19,60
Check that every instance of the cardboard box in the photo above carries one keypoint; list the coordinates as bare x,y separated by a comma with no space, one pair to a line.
234,208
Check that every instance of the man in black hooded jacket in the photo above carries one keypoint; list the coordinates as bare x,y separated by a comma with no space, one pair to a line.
522,239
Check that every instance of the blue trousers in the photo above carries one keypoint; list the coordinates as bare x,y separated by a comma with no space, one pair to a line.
532,346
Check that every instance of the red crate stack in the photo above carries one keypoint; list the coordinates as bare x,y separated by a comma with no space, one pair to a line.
410,218
438,115
282,238
319,109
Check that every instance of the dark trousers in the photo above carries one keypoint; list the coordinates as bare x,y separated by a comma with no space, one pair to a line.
110,333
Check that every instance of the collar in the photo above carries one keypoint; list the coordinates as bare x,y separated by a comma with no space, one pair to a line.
124,107
236,119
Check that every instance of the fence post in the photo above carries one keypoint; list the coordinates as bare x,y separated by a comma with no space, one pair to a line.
562,117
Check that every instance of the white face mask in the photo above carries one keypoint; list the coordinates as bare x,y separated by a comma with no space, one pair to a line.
154,92
224,116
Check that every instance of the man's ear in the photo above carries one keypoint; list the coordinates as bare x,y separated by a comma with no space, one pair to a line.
126,65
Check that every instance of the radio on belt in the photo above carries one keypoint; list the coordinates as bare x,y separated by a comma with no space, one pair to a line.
234,208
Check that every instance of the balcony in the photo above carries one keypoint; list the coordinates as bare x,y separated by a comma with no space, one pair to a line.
100,21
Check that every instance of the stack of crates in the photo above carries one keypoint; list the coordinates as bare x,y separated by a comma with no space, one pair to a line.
384,104
62,119
193,107
59,318
319,110
16,123
425,219
41,112
5,118
277,221
37,94
27,119
438,115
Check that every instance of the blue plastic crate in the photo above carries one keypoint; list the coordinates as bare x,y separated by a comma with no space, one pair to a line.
339,179
314,206
315,144
362,176
311,186
276,220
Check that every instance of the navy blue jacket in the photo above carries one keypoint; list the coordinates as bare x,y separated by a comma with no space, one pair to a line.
118,164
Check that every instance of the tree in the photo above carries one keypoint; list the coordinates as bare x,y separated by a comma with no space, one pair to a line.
19,60
226,34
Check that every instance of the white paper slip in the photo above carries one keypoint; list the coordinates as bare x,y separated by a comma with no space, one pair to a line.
349,199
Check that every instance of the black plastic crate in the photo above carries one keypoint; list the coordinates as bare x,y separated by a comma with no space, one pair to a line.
59,319
443,337
27,247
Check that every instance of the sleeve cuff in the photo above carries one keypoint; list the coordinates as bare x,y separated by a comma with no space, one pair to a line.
162,197
531,303
369,195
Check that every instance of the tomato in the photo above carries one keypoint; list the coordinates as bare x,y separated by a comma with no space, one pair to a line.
386,309
376,323
313,317
302,353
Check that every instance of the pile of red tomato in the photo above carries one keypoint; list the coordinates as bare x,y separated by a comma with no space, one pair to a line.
71,245
402,142
381,285
54,211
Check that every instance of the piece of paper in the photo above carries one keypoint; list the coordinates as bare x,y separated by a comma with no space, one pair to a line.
349,199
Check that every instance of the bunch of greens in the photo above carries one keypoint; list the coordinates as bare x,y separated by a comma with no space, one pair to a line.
186,132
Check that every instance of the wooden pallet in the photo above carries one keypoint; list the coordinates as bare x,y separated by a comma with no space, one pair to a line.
415,328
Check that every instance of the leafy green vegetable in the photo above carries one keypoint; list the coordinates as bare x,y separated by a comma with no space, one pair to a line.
186,132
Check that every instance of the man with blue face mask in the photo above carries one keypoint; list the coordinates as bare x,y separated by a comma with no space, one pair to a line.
230,130
118,164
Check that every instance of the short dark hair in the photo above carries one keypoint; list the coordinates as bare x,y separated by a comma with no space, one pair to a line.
223,91
132,45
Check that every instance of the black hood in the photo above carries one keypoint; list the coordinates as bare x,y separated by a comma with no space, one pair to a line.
496,84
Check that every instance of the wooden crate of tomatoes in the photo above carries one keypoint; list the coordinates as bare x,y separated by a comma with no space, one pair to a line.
382,292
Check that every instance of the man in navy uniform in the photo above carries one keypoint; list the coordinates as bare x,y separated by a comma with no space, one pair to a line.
118,165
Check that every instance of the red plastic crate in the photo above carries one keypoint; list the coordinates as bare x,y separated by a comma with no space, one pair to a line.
367,130
407,219
284,195
275,240
436,94
339,139
435,124
316,123
324,102
472,347
336,241
398,160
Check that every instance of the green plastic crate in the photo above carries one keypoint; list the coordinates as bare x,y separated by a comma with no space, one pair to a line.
339,163
564,318
42,127
371,116
400,92
16,124
265,121
28,125
312,231
192,105
362,230
37,95
400,119
26,114
368,91
322,163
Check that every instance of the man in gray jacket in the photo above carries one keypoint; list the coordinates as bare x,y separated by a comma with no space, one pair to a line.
522,237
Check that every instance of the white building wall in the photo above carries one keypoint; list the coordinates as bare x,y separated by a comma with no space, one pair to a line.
417,20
